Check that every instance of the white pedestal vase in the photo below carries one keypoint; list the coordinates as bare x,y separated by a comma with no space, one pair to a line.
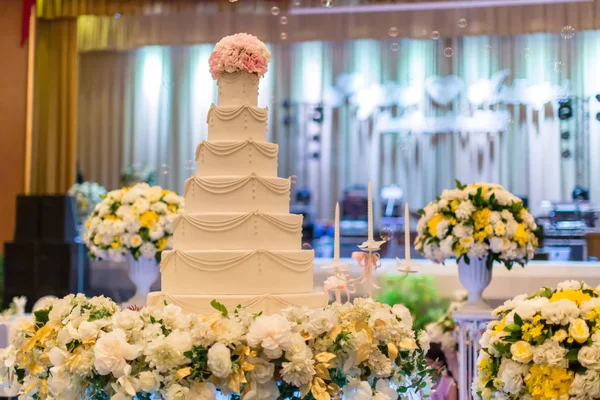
475,277
143,272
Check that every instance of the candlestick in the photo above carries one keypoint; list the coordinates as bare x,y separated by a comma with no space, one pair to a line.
336,240
370,214
406,234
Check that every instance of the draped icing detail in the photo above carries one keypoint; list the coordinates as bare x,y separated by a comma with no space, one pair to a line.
259,114
226,148
197,262
222,187
233,77
234,222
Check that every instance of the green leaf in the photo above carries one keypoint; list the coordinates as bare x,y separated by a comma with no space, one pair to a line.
459,185
219,307
467,259
41,316
145,234
512,328
421,211
518,320
572,354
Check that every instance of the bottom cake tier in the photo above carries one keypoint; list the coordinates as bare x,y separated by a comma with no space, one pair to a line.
267,303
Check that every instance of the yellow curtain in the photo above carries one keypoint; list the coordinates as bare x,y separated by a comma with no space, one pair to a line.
55,107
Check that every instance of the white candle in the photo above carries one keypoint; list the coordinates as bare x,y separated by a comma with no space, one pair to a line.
406,234
336,240
370,214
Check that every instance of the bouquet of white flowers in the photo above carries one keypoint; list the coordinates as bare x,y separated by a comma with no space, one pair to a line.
545,346
477,221
76,347
138,220
87,195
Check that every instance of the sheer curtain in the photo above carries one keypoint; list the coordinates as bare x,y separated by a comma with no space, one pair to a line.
148,106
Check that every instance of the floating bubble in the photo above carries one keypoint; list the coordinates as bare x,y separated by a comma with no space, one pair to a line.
168,83
487,48
435,35
327,3
448,52
395,46
567,32
393,31
526,52
283,36
274,10
462,23
117,15
283,20
386,233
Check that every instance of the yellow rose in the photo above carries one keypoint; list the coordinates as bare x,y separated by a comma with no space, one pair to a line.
500,228
521,351
486,394
97,239
579,330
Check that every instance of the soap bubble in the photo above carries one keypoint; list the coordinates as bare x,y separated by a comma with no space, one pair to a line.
462,23
395,46
487,48
567,32
327,3
275,10
283,20
435,35
526,52
448,52
393,31
386,233
168,83
283,36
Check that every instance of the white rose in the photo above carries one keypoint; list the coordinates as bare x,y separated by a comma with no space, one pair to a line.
589,357
465,209
497,244
273,333
430,209
560,312
522,352
263,370
87,330
156,232
219,360
159,207
176,392
171,198
586,385
320,321
567,285
149,381
112,353
136,241
528,308
462,231
511,375
127,320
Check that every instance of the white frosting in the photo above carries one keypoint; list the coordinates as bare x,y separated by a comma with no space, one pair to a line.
226,272
237,123
237,242
237,194
265,303
237,231
238,88
236,157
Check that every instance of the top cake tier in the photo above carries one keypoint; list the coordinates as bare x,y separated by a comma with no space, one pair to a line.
238,88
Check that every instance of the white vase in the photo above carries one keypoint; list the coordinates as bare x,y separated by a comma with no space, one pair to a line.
143,272
474,277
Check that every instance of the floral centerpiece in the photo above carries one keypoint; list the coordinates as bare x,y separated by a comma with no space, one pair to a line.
545,346
76,346
239,52
87,195
136,220
477,224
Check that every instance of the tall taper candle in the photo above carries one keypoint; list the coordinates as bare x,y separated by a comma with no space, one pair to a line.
406,235
336,240
370,213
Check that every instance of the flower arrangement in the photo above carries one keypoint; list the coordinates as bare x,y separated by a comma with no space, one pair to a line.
477,220
136,220
444,330
362,350
137,174
545,346
87,195
239,52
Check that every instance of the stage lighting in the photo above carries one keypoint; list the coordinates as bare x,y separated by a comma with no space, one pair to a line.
565,135
565,111
318,115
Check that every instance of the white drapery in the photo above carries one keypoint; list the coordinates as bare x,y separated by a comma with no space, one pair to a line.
149,106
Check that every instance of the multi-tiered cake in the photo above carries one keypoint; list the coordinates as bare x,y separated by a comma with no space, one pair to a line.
237,243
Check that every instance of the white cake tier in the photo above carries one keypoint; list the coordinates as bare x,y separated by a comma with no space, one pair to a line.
240,122
237,194
236,157
237,231
238,88
266,303
237,271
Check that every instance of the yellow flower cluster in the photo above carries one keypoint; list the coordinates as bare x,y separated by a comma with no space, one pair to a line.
593,316
548,383
532,331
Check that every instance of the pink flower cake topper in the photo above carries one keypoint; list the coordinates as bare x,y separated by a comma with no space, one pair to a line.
239,52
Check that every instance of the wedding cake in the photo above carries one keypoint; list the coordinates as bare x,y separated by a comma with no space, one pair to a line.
237,243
